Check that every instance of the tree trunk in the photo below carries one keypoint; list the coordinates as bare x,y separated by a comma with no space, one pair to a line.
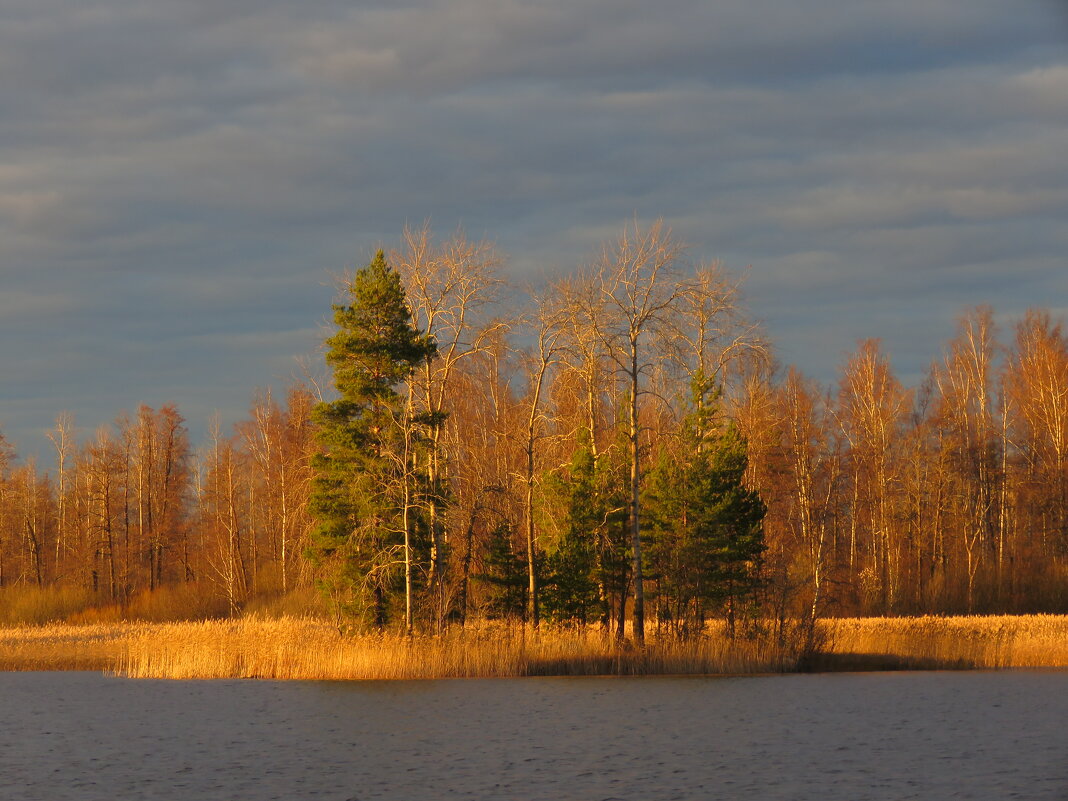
635,487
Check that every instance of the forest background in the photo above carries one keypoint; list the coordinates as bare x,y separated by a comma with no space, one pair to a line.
542,422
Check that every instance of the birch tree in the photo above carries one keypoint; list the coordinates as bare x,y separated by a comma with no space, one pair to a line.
873,404
543,355
639,291
448,288
1037,386
965,381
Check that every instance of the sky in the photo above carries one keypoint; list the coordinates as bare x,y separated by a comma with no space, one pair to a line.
181,181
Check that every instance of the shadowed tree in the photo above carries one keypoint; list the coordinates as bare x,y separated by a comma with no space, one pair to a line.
707,534
575,588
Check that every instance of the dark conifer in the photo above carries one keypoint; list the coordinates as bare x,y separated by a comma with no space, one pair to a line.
707,527
359,538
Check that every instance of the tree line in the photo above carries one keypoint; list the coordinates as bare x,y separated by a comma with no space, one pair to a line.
621,446
947,497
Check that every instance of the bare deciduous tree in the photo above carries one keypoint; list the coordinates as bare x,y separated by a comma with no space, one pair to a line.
965,383
873,404
543,355
449,288
639,291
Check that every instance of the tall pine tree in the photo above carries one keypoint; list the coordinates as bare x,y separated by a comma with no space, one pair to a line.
362,493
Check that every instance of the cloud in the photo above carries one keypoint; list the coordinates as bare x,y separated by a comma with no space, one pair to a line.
178,181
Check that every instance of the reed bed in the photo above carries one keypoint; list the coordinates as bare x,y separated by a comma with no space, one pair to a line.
61,646
306,648
981,642
294,648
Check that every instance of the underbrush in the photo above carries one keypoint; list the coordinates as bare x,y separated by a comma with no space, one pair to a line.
168,603
30,605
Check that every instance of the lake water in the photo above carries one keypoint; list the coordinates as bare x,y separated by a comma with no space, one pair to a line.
854,737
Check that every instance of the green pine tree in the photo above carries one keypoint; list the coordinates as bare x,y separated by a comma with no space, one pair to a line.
570,586
707,527
504,577
362,474
587,563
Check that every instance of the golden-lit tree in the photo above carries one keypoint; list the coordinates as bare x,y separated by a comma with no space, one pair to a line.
639,289
449,288
967,417
872,407
1036,391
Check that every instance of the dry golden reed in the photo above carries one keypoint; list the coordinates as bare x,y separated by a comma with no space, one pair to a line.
294,648
305,648
60,646
994,641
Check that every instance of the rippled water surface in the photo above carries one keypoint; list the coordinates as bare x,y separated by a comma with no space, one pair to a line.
824,737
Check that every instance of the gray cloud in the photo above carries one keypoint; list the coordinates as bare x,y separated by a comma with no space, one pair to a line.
179,180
